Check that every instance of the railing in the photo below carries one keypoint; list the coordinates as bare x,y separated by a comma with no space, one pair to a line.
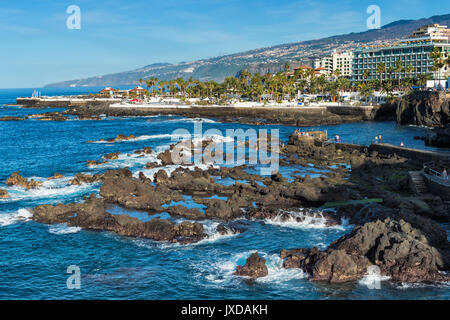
434,175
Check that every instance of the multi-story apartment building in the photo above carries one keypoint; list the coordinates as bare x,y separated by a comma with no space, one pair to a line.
341,61
413,52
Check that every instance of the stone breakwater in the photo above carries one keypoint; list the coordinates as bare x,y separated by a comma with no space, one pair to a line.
398,236
63,102
292,116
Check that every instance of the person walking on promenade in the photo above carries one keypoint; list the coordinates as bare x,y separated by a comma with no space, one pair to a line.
444,174
379,138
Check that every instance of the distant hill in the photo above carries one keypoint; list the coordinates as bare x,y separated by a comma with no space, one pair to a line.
262,60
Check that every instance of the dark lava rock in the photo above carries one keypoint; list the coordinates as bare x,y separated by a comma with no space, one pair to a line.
10,118
255,267
120,187
233,227
183,212
112,156
4,193
94,162
17,180
166,158
81,178
91,215
147,150
401,251
439,138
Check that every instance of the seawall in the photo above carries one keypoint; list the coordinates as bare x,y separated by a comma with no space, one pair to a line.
415,155
293,116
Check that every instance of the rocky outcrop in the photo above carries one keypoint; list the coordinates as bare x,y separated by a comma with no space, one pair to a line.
118,138
112,156
81,178
17,180
94,163
4,194
11,118
56,176
399,250
121,188
439,138
255,267
92,215
423,108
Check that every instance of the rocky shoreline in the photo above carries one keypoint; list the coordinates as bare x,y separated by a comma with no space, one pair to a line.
286,116
398,236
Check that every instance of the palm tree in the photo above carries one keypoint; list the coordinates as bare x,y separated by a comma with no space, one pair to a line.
366,75
422,79
151,83
381,68
390,71
287,67
387,87
365,90
399,69
342,84
438,62
409,70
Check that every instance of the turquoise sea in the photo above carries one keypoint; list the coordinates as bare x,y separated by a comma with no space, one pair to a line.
34,257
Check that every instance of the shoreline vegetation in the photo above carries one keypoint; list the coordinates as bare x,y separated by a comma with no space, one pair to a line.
271,98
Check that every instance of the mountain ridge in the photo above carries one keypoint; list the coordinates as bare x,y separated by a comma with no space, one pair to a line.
262,60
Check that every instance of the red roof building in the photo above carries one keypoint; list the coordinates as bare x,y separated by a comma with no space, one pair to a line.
138,89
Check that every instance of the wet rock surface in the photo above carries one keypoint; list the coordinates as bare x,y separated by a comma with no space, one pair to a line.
17,180
255,267
4,194
92,215
399,250
439,138
397,236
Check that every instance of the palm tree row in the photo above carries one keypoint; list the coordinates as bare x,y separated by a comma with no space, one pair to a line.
254,87
286,85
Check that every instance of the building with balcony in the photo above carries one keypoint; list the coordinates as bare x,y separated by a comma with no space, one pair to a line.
341,61
413,52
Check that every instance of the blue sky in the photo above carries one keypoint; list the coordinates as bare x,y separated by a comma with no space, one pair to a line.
120,35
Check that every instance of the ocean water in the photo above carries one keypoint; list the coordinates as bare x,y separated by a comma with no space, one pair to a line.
34,257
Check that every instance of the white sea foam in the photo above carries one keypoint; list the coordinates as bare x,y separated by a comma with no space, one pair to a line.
191,120
301,220
223,271
53,190
21,215
61,229
148,137
373,281
129,160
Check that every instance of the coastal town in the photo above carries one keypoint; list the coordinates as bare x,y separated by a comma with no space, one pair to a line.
365,76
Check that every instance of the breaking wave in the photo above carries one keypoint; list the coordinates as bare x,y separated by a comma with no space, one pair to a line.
63,229
21,215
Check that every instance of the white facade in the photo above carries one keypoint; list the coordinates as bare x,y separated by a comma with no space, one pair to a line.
341,61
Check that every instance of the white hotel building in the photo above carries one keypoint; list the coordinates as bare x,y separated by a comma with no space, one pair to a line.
341,61
414,51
